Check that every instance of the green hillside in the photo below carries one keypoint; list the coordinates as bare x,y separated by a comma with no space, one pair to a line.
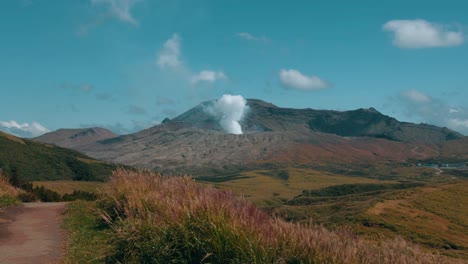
37,161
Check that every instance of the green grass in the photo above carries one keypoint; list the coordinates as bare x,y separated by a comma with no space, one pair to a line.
6,201
88,241
37,161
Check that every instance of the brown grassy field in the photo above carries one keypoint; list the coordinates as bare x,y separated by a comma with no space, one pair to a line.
435,216
155,219
267,190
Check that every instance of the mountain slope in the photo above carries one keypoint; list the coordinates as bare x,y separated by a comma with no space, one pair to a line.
195,140
264,116
39,161
74,138
166,147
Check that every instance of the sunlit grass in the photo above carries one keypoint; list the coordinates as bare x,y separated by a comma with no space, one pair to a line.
155,219
436,217
8,193
265,190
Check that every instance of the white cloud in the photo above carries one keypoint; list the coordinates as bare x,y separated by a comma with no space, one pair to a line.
208,76
169,55
421,107
120,9
458,124
414,34
415,96
248,36
33,129
294,79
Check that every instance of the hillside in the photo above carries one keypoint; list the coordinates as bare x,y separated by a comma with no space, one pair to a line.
38,161
74,138
164,147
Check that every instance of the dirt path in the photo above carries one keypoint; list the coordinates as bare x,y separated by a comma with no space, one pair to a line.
31,233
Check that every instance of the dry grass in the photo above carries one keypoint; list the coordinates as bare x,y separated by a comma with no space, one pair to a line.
436,217
8,193
263,189
159,219
13,138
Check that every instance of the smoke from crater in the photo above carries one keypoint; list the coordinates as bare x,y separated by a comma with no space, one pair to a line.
229,110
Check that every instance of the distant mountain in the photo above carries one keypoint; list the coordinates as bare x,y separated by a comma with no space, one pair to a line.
75,138
273,135
38,161
264,116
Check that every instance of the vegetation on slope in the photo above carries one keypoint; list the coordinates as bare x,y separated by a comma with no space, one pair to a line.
434,216
345,195
153,219
37,161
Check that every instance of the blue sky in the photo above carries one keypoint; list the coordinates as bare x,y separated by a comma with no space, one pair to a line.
127,64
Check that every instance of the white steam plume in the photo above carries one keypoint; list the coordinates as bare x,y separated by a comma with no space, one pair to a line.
230,110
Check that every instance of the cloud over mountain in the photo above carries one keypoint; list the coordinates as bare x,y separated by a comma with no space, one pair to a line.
26,130
419,105
169,58
169,55
208,76
294,79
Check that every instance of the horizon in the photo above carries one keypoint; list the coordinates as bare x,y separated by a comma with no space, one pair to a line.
125,65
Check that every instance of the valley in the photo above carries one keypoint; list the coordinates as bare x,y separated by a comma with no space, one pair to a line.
382,179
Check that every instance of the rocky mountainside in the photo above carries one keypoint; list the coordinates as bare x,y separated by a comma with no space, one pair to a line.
272,134
263,116
75,138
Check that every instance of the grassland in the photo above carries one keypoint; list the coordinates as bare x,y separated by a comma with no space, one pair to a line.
88,241
435,216
418,204
67,187
267,188
147,218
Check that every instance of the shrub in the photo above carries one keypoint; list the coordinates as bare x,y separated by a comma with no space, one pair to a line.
80,195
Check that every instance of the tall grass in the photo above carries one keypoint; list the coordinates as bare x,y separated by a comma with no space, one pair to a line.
8,193
156,219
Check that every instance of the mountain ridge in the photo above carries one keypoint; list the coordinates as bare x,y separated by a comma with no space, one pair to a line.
262,116
195,139
75,137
